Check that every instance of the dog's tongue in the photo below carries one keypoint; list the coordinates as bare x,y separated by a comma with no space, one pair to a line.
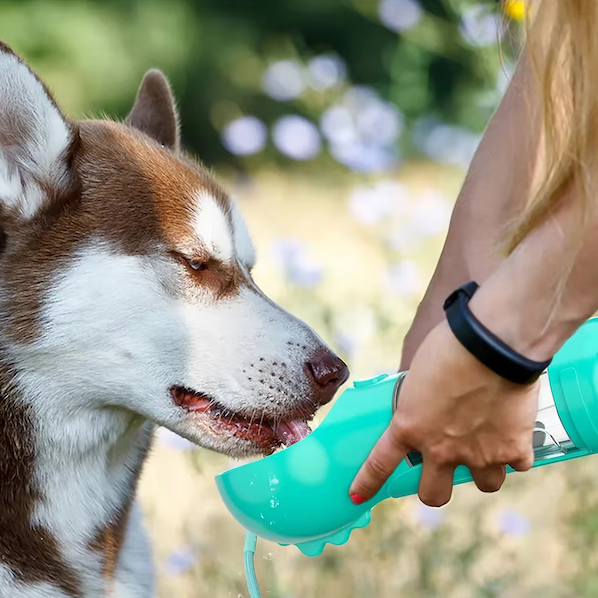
292,431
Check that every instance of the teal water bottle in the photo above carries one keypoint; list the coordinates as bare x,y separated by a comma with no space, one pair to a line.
300,495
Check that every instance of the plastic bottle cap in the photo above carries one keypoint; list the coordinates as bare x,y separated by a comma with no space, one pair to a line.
369,381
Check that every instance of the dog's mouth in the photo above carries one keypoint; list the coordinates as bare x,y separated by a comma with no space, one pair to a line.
260,430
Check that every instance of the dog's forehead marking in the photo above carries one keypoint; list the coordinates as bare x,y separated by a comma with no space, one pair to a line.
213,227
165,186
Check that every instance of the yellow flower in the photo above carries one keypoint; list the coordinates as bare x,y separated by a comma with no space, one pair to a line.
514,9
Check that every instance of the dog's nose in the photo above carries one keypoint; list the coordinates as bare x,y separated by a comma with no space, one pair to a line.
327,372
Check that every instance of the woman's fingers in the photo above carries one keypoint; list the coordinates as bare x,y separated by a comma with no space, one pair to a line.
436,483
384,458
523,463
489,479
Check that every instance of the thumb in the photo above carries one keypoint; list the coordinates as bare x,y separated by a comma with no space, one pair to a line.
384,458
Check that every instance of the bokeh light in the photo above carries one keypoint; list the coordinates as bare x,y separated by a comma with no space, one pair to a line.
370,205
245,136
480,25
362,131
400,15
180,561
446,144
284,80
326,71
513,523
429,517
296,137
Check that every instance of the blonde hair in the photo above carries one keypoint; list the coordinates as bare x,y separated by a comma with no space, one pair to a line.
562,45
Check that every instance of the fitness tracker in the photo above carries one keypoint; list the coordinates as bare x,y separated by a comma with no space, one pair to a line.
483,344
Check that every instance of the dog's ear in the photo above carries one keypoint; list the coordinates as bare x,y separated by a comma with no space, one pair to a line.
35,140
155,111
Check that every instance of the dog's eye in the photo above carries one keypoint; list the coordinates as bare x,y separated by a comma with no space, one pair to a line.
197,265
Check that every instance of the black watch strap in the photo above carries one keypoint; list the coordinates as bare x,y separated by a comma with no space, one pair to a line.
483,344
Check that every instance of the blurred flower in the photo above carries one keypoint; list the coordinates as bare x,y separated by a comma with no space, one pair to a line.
362,131
296,137
513,523
292,256
172,440
431,213
404,278
375,119
326,71
244,136
379,122
337,125
429,517
446,144
363,157
514,9
180,561
284,80
400,15
480,26
369,205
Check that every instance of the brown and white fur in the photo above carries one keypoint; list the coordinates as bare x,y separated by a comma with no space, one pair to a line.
126,300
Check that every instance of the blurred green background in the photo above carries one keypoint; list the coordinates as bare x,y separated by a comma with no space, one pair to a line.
344,128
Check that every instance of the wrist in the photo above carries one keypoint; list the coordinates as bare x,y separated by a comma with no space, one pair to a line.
531,325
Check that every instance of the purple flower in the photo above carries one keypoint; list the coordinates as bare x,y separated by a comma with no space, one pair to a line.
513,523
326,71
430,517
400,15
362,131
284,80
365,157
296,137
337,125
370,205
480,26
180,561
244,136
292,256
446,144
172,440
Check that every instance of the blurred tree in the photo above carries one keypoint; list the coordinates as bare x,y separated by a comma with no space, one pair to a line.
419,64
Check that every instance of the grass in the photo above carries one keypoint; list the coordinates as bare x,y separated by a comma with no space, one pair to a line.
538,536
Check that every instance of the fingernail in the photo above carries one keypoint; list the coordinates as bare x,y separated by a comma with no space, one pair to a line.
357,499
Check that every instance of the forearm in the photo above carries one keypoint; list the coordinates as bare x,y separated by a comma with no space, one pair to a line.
547,288
497,183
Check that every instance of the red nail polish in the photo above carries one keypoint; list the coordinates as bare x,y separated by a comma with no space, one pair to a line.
357,499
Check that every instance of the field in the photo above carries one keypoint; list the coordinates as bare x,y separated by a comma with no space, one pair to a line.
352,257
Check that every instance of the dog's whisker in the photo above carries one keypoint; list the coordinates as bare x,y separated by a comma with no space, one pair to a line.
261,423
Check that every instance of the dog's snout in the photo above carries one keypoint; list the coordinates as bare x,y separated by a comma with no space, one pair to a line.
327,373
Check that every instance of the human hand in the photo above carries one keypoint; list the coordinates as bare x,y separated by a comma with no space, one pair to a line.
454,411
